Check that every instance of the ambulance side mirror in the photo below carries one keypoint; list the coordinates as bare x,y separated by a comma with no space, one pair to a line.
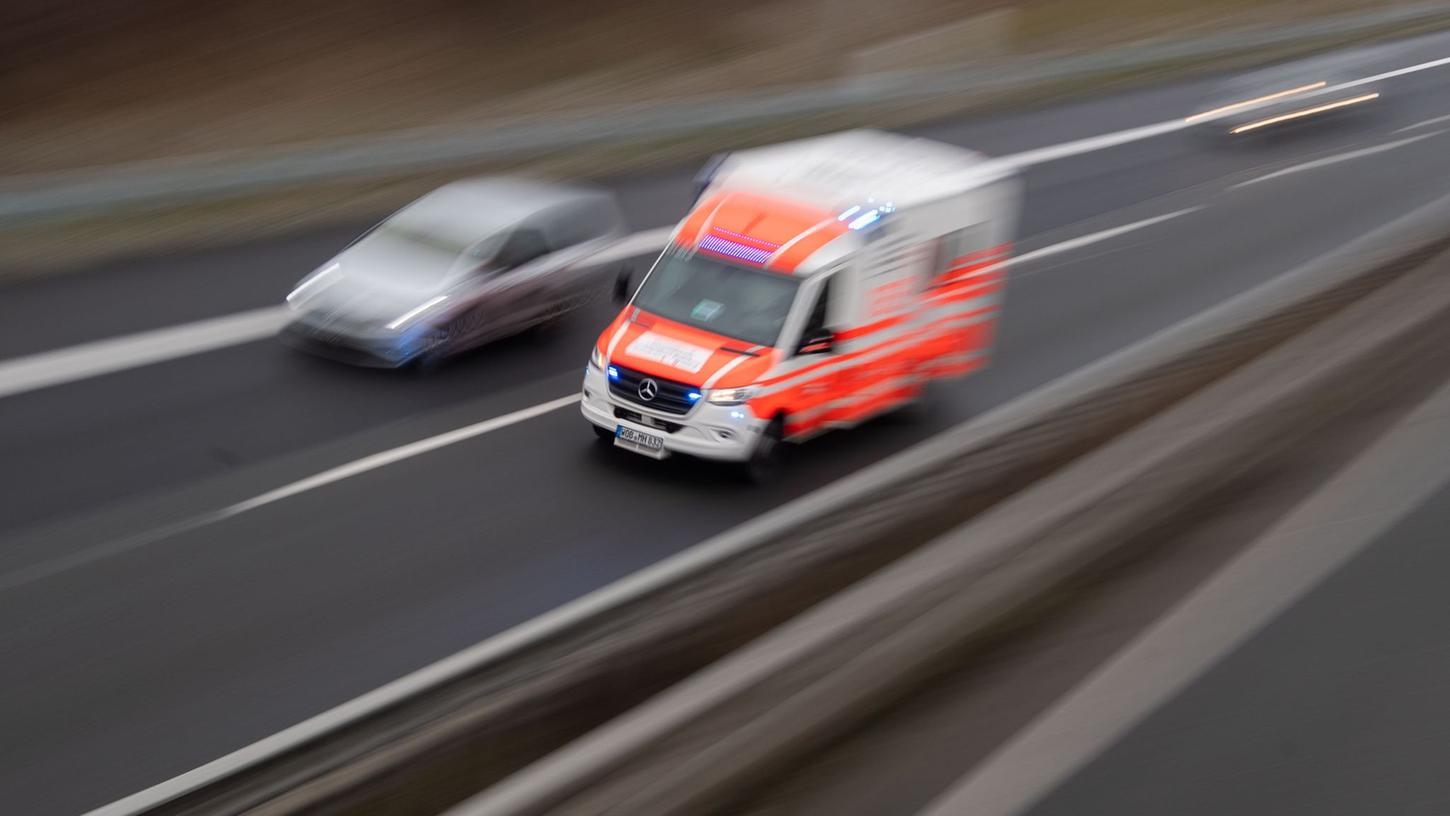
822,342
621,286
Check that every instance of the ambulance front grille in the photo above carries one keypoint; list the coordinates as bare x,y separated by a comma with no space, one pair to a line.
671,398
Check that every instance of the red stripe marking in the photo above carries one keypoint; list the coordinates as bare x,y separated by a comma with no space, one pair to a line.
872,328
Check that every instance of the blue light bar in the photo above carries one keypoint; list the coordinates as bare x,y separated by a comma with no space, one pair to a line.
693,396
734,249
613,373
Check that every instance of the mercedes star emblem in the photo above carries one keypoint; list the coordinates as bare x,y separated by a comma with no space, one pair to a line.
648,389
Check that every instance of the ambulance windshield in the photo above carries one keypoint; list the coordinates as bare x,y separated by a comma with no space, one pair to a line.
718,296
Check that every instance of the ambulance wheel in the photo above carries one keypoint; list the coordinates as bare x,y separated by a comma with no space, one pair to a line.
764,461
602,434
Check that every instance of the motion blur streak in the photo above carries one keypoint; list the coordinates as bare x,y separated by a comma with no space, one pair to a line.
1336,159
1299,114
1199,117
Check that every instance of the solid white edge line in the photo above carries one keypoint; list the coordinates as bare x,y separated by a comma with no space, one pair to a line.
1240,599
49,368
1337,158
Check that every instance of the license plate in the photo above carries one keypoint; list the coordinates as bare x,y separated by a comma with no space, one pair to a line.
639,442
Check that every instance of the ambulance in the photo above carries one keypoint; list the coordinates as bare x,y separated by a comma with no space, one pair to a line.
814,285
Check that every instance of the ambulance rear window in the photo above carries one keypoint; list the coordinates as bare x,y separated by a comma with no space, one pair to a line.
744,304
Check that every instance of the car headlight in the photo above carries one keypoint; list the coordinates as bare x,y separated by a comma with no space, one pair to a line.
730,396
414,313
596,357
312,284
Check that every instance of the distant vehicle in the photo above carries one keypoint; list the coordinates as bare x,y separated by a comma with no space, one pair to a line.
814,285
469,263
1275,99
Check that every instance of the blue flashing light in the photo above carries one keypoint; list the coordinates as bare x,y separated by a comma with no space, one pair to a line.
693,396
613,373
848,213
866,220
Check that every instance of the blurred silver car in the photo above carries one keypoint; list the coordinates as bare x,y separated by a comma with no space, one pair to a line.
469,263
1271,100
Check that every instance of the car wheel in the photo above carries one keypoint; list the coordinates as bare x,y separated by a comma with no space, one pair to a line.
764,461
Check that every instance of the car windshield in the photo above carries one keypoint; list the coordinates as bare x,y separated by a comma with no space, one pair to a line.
746,304
416,255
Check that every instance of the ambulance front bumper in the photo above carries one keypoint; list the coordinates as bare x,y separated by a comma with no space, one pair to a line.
726,433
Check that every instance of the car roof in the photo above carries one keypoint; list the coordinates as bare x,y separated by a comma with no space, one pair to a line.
468,210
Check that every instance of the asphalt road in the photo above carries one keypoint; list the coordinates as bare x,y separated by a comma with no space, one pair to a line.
1337,707
132,651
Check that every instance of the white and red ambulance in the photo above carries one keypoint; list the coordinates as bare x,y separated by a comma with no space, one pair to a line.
814,284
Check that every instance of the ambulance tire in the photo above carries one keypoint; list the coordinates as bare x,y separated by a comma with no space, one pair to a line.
764,461
602,434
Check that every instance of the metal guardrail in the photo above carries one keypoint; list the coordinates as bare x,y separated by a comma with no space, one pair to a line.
72,193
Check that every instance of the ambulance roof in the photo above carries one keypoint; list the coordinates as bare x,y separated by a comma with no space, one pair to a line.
859,166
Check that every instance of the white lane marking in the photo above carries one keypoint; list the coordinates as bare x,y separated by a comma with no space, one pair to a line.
46,569
1085,240
1428,122
65,365
1091,144
1337,158
1230,607
398,454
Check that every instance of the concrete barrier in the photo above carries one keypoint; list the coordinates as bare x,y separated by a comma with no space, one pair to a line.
433,738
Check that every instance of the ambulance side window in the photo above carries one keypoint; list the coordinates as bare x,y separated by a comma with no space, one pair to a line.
816,337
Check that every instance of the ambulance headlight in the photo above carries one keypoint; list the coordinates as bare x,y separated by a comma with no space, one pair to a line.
730,396
596,357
